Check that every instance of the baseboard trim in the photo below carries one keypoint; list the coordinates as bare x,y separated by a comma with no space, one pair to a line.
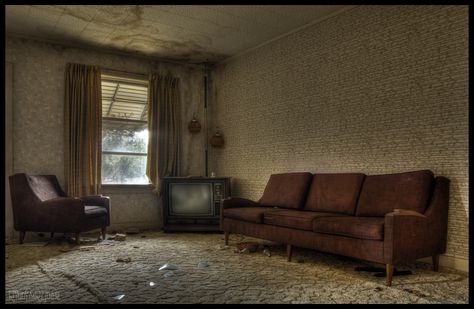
457,263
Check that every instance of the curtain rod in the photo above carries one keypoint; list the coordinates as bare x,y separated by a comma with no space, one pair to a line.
105,70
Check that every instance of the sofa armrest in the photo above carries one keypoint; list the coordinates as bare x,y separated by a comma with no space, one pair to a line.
234,202
405,236
404,212
238,202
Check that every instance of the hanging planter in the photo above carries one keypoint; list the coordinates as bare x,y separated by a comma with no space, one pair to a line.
194,126
217,140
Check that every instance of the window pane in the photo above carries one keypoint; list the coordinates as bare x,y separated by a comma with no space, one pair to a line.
123,137
123,169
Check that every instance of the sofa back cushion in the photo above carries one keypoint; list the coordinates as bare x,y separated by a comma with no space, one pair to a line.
382,194
334,192
286,190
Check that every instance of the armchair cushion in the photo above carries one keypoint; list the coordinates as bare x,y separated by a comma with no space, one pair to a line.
286,190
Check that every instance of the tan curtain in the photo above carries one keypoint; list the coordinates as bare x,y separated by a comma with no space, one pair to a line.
163,129
83,113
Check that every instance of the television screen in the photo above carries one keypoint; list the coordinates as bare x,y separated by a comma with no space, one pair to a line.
190,199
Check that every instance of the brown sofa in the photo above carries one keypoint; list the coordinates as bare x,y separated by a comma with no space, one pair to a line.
384,219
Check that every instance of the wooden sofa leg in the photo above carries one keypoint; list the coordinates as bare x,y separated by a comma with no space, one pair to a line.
435,262
22,236
52,234
389,274
78,238
226,238
289,252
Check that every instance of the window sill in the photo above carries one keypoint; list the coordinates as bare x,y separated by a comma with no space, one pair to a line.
123,188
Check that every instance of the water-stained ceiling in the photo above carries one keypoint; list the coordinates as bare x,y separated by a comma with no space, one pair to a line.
192,33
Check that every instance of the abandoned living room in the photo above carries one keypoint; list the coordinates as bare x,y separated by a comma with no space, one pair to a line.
236,154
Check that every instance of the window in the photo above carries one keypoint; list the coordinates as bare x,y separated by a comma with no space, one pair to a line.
124,130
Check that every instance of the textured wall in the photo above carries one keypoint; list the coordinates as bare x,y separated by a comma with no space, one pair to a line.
374,89
38,120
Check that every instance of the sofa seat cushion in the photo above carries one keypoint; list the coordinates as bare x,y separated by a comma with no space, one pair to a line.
95,211
355,227
249,214
381,194
286,190
297,219
334,192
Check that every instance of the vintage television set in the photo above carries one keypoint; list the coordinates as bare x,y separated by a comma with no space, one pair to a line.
193,203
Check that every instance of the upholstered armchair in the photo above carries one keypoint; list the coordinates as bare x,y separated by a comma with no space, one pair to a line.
40,205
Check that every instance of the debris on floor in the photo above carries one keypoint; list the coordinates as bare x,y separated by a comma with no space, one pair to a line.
87,239
267,252
417,293
203,264
106,242
124,260
250,246
152,284
168,266
378,289
222,247
35,244
301,261
119,297
168,274
136,247
66,249
87,248
243,251
143,236
117,237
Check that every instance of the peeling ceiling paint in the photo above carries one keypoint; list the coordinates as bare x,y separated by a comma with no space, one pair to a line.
191,33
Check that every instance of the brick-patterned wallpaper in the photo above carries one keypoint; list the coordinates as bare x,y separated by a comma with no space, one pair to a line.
376,89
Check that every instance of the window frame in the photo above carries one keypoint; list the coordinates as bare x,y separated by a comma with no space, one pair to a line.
120,79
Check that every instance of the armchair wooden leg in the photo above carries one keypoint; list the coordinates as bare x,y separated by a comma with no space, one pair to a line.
103,232
389,274
435,262
226,238
22,236
52,234
289,252
78,238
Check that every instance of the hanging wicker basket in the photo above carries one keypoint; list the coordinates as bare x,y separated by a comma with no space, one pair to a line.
217,140
194,126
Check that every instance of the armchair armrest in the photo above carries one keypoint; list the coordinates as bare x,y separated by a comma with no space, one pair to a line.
96,200
63,209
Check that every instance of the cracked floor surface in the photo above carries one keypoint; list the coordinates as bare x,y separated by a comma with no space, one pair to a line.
63,273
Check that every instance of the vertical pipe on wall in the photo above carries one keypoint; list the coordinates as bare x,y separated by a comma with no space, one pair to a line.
206,152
